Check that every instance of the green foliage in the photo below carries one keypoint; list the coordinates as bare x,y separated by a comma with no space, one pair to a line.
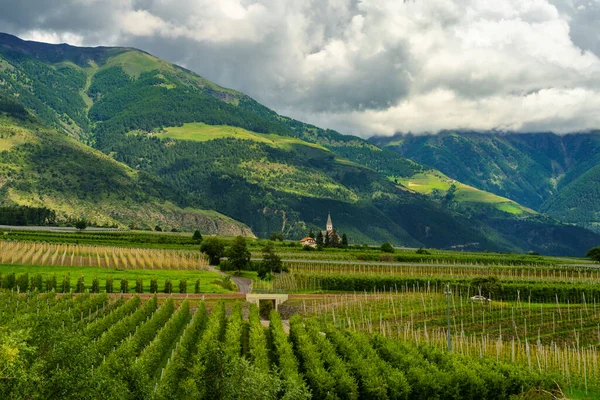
109,284
153,286
139,285
197,286
271,262
9,281
344,241
386,248
65,286
594,253
168,286
37,283
421,250
124,285
51,283
22,282
197,236
489,286
80,286
81,224
95,285
287,362
183,286
214,249
238,254
107,81
23,215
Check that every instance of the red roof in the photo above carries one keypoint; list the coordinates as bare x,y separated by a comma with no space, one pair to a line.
306,239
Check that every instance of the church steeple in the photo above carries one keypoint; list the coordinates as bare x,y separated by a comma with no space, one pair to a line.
329,225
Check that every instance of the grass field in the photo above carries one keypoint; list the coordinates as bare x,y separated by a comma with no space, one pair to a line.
201,132
428,183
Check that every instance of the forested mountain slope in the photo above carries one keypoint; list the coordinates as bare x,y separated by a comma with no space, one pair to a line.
555,174
218,149
44,169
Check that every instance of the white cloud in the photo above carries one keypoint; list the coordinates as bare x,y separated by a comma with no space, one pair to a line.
366,66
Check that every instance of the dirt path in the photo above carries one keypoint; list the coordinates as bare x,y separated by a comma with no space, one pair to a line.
244,284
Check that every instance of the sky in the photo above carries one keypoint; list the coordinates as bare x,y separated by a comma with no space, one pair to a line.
362,67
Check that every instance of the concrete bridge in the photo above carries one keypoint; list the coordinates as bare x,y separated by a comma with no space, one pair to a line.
277,299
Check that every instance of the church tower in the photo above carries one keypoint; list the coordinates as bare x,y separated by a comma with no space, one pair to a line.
329,226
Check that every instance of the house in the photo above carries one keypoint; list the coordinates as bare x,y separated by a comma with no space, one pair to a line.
308,241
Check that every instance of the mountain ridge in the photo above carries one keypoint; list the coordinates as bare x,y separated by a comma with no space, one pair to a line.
535,169
124,106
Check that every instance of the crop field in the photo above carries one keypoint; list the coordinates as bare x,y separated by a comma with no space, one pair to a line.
96,280
44,254
560,338
533,273
163,350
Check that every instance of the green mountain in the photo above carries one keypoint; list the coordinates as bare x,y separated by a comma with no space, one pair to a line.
43,169
205,147
554,174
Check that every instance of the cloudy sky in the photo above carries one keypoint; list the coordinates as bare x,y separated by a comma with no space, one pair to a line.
362,67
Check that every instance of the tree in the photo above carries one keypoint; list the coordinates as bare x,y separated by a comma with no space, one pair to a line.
81,224
311,234
320,241
344,241
276,236
197,236
158,228
271,261
327,240
214,249
238,253
387,248
594,253
489,286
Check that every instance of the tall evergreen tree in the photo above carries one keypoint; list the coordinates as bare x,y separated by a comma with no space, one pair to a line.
320,241
344,241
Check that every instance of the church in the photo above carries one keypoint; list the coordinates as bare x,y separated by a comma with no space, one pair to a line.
328,238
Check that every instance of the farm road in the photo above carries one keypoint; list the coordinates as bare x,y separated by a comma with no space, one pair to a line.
244,284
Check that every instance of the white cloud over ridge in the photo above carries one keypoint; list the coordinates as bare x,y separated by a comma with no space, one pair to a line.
363,67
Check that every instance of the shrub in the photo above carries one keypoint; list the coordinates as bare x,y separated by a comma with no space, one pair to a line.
153,286
387,248
168,286
66,284
37,282
80,287
8,282
109,284
95,285
197,236
124,285
139,285
226,265
51,283
183,286
22,282
422,251
197,286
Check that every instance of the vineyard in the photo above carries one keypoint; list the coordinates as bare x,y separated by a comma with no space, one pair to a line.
49,254
92,346
541,283
559,338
